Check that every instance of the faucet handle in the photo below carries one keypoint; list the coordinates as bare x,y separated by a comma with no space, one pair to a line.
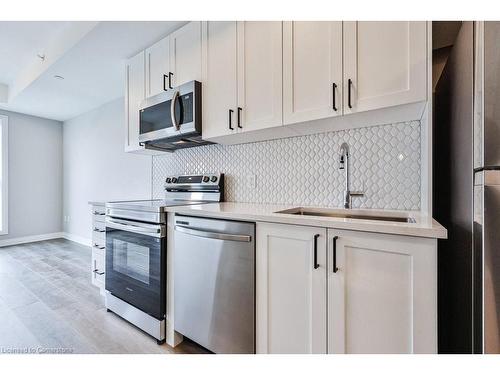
356,193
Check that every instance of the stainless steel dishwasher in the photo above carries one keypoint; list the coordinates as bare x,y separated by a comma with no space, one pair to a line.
214,283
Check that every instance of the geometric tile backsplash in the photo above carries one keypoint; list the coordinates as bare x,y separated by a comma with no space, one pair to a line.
384,161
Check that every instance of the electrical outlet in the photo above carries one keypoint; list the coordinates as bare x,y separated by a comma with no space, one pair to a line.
251,181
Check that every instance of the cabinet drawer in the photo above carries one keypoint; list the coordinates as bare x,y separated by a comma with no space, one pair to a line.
99,210
99,245
98,268
99,237
98,227
98,218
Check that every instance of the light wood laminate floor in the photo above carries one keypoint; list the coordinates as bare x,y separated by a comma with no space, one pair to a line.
47,303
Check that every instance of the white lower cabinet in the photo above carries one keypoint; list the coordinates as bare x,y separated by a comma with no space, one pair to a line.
291,289
382,297
98,266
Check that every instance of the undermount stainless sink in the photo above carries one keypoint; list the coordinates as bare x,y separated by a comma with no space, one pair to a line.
345,215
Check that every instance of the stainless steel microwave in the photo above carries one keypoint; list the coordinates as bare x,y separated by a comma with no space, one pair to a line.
172,119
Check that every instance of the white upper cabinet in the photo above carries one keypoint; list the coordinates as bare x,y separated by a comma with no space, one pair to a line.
382,296
158,67
290,289
134,93
174,60
259,75
170,62
219,78
185,54
384,64
312,70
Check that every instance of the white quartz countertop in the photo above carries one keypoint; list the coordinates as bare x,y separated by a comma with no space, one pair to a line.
424,226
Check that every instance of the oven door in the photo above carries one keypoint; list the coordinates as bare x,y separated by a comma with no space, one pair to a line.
171,113
135,264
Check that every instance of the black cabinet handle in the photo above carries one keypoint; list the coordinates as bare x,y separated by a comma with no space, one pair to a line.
334,89
165,82
316,265
170,74
349,85
239,117
231,119
335,269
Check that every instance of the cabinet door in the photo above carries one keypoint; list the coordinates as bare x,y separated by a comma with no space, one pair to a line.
134,94
291,292
382,299
385,63
312,70
157,66
260,72
185,53
219,78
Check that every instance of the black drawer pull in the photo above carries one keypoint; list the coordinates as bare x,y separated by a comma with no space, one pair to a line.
316,265
334,89
239,117
335,269
231,119
170,74
349,86
165,82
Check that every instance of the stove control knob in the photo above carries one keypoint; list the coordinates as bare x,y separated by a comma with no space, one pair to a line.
206,178
213,179
168,180
174,180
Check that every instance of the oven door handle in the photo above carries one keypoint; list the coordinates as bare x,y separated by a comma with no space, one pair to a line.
214,235
149,230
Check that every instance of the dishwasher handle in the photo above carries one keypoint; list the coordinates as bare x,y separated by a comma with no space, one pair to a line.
214,235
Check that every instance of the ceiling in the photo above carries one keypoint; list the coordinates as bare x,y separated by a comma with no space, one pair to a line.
89,55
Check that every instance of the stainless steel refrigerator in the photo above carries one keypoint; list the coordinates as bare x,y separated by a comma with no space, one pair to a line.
467,191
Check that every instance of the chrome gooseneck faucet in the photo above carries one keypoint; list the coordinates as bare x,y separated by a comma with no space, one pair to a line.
344,164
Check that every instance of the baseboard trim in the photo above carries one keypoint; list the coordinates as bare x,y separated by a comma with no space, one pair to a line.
44,237
78,239
28,239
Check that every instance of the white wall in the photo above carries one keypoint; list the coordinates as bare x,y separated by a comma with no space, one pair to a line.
96,167
35,176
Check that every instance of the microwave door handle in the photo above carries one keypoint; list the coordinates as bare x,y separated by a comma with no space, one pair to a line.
172,111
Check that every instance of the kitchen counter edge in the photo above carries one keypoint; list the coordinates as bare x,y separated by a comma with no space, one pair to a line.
425,226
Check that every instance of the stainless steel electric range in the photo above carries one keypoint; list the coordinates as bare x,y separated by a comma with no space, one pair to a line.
136,248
